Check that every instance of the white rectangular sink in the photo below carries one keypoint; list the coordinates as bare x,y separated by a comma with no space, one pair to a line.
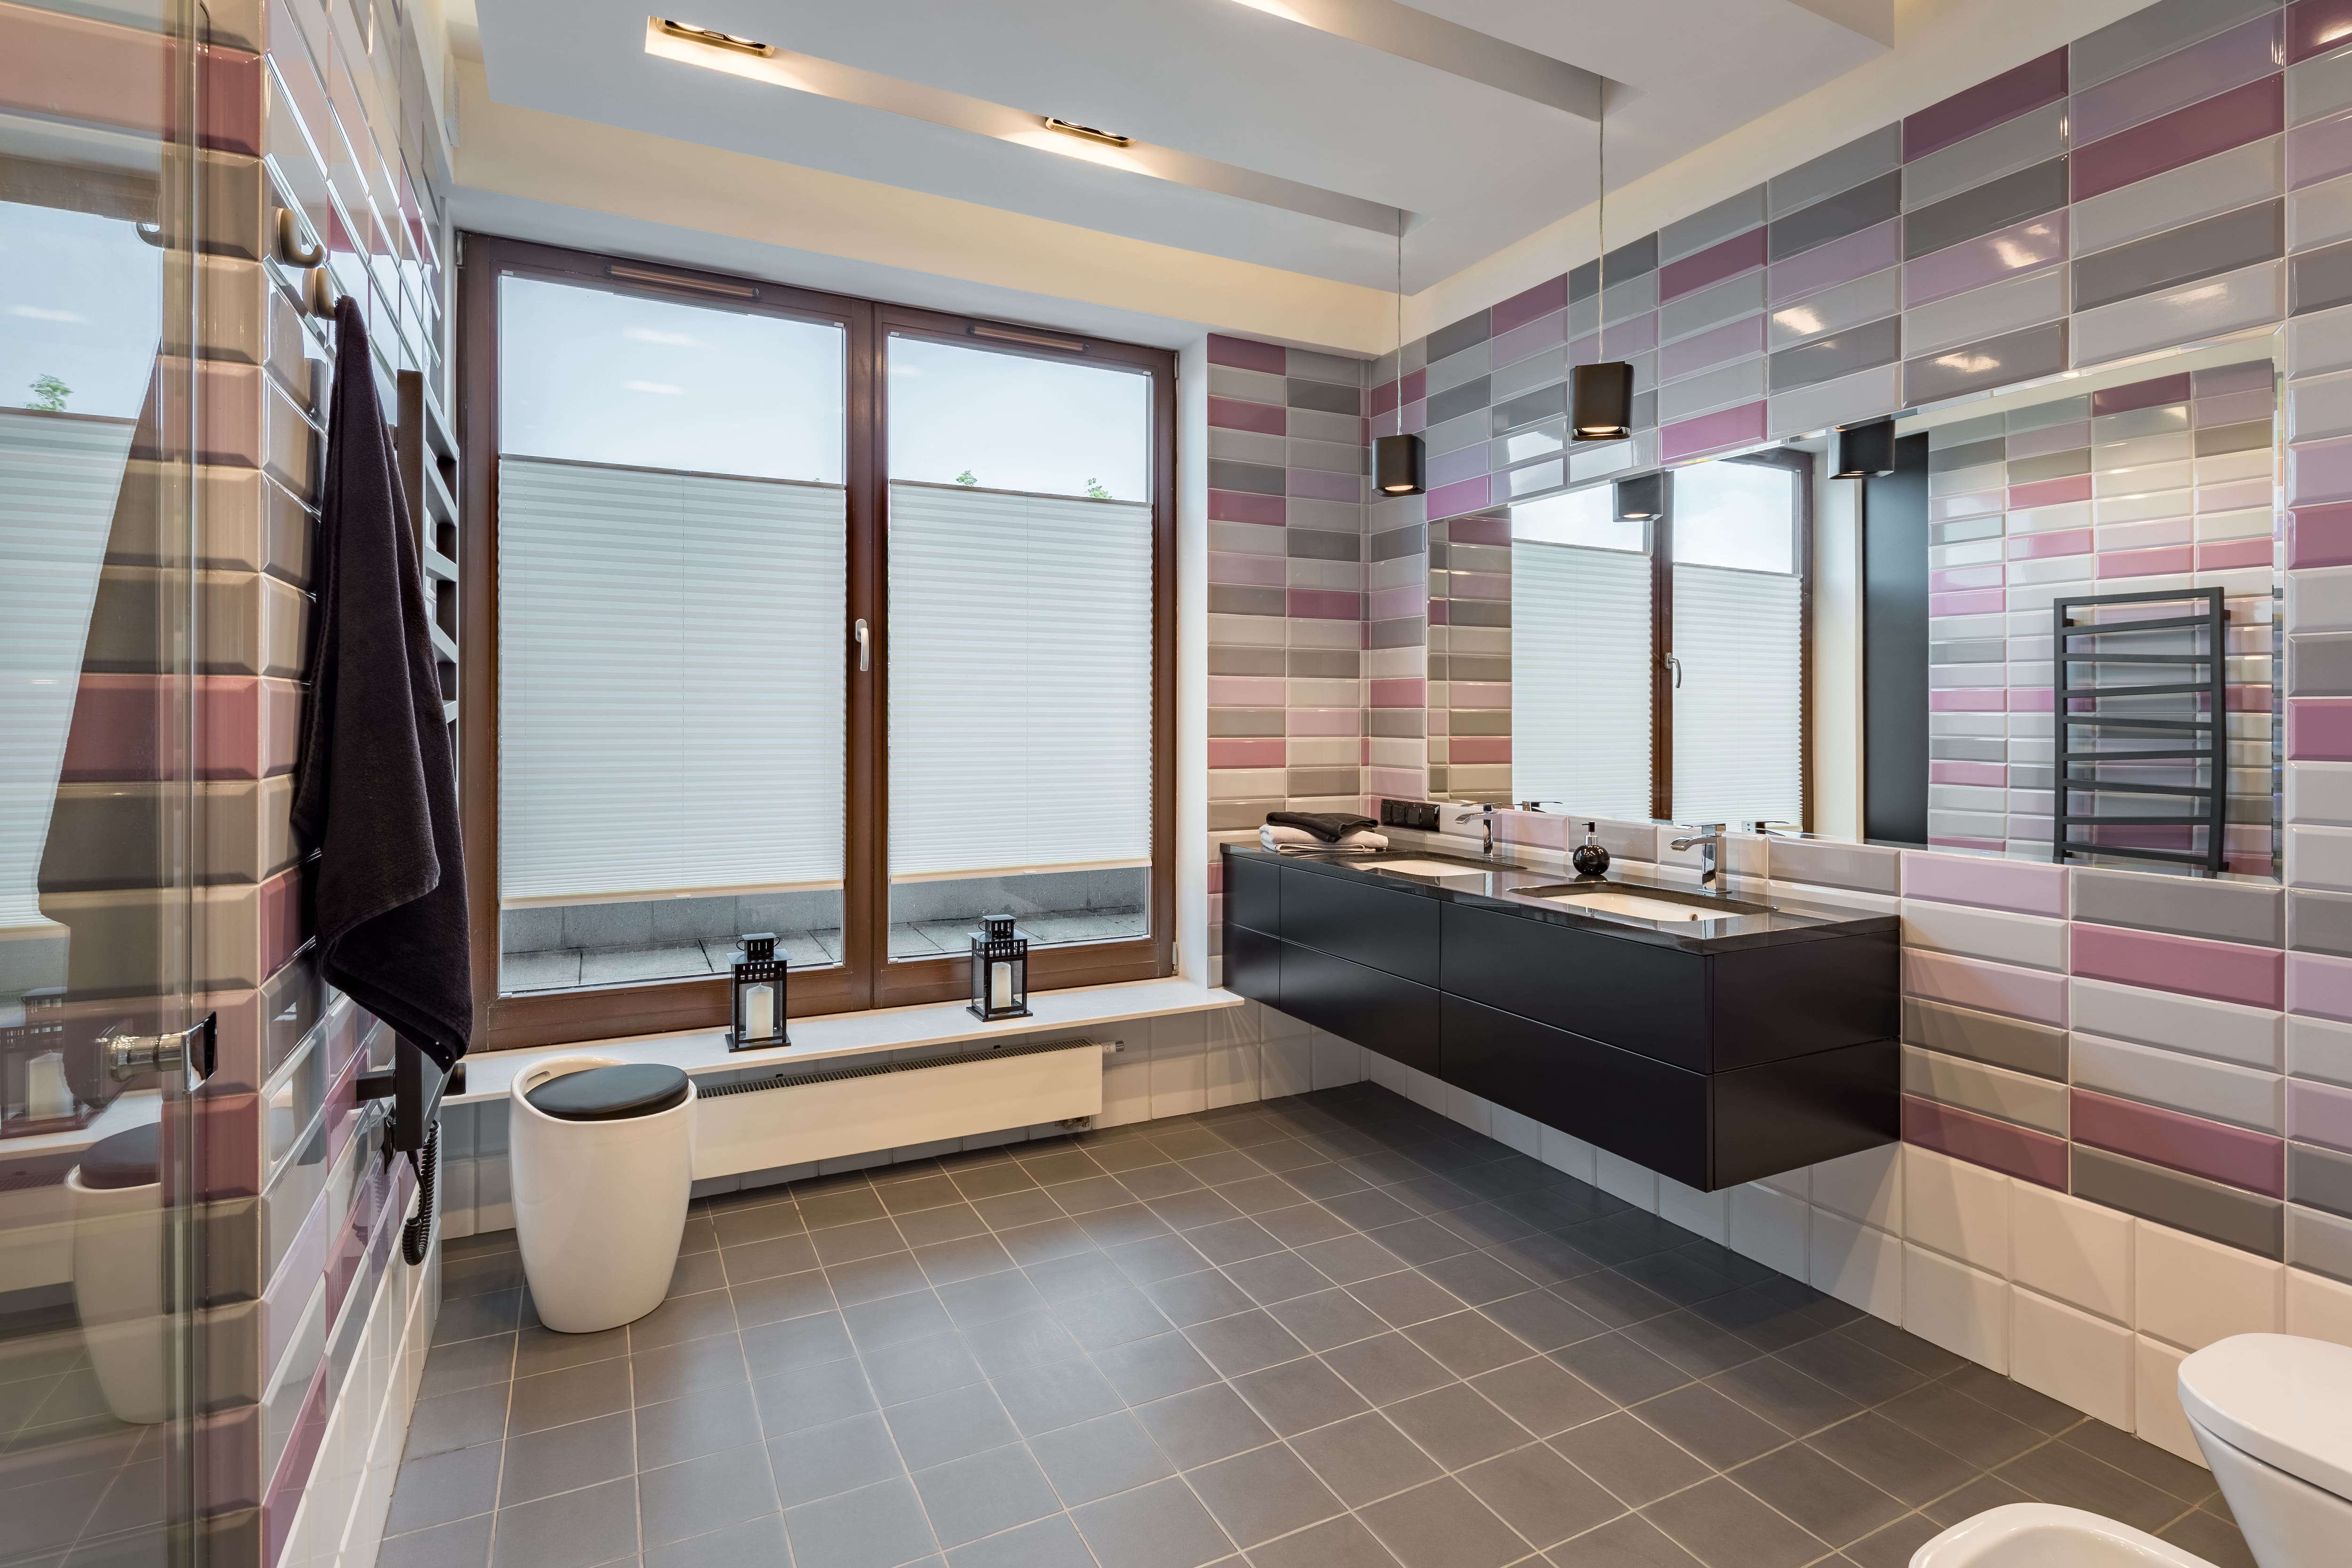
1424,868
1640,908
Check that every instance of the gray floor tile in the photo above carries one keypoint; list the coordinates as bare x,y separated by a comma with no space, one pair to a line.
1628,1541
560,1398
1203,1424
841,1457
1278,1276
1328,1319
539,1350
2061,1473
751,1541
990,1299
1387,1367
1975,1431
452,1368
1441,1525
1050,1543
796,1343
684,1318
1096,1458
984,1494
673,1372
812,1396
741,1264
700,1422
439,1488
880,1526
1005,1345
1148,1369
1261,1494
1160,1526
1199,1297
1244,1342
1341,1542
1115,1316
1540,1495
1892,1459
1405,1298
1795,1404
566,1458
1299,1395
1060,1394
871,1279
680,1501
1894,1546
1723,1527
1457,1426
1633,1462
1542,1397
1824,1498
921,1368
572,1529
1364,1458
949,1425
1719,1431
463,1543
457,1421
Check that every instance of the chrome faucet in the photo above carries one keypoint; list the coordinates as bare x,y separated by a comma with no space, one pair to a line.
1769,829
1708,838
1484,815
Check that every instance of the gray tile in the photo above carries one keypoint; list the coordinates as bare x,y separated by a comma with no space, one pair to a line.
1455,400
1404,1299
1712,226
2061,1473
1244,1342
1950,1419
824,1460
464,1544
456,1421
769,1349
921,1368
1838,170
1620,1368
1328,1319
1543,1397
1278,1276
673,1372
2321,1178
1364,1458
1341,1542
574,1529
2030,139
949,1425
812,1396
1994,204
1457,1426
2224,911
760,1540
2012,1043
1990,362
1050,1542
2187,1203
1540,1495
685,1500
2151,33
1795,1404
2189,1482
1894,1460
478,1316
1096,1458
1823,1498
1450,340
1029,1339
1870,203
1198,1297
1466,1343
441,1487
1204,1424
1057,1395
1387,1368
1298,1396
683,1318
450,1369
1723,1527
1632,1460
2202,250
983,1494
880,1526
894,1319
701,1423
1148,1369
1160,1526
1441,1525
1627,1542
1261,1495
1113,1318
566,1458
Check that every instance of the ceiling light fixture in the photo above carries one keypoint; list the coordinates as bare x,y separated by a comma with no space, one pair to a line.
1399,466
1640,498
1866,451
716,39
1072,128
1601,396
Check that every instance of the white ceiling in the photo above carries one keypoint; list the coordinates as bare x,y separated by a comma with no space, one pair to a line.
1477,167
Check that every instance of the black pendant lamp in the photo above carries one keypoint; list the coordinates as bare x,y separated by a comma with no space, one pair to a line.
1398,466
1601,402
1866,451
1638,498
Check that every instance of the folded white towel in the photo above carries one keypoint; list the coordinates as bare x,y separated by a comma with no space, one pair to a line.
1363,841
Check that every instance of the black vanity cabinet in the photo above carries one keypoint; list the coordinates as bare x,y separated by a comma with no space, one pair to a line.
1713,1060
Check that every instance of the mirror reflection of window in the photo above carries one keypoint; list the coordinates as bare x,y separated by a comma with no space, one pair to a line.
1581,634
1738,643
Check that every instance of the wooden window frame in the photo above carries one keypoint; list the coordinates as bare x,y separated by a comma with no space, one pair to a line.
866,978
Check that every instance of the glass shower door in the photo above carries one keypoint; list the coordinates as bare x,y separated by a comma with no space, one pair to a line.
101,1025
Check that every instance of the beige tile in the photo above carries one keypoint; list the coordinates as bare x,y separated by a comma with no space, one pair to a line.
2318,1308
1858,1264
2190,1292
2071,1356
1964,1310
1956,1208
2156,1414
2077,1252
1867,1187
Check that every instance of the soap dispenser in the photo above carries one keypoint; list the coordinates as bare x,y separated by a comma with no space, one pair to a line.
1591,859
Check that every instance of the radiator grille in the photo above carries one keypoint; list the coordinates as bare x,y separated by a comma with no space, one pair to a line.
835,1075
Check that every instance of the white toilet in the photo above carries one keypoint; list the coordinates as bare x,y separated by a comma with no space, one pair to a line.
603,1162
2273,1416
115,1195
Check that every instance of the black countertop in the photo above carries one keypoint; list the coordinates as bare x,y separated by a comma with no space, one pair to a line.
1494,885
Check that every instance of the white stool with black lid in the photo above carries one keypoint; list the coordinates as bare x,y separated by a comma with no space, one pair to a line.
603,1158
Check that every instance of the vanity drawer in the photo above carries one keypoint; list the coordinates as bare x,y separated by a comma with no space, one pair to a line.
1253,894
1794,998
1785,1115
1649,1000
1378,1012
1382,928
1253,964
1632,1105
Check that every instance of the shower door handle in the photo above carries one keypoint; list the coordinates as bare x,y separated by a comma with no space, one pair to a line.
190,1050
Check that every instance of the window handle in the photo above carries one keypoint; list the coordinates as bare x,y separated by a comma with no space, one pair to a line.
864,646
1675,665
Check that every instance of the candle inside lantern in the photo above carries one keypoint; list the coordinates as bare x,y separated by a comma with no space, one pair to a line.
759,1011
1000,984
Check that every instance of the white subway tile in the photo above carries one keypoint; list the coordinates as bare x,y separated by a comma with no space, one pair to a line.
1867,1186
1706,1214
1471,1110
1285,1067
1573,1156
2071,1356
1964,1310
1770,1227
1337,1062
1523,1134
1620,1178
1858,1264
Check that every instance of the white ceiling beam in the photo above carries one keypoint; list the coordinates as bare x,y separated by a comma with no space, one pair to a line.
1398,29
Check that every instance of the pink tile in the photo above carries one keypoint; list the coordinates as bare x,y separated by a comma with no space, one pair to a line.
2020,1151
1980,602
2316,27
2319,986
1412,692
1543,332
1217,875
2049,492
1260,753
2247,375
1461,463
1324,723
2228,59
1993,773
1479,749
1479,531
2225,121
2042,546
1951,579
1232,413
2153,393
2235,407
1987,104
1416,386
1380,399
2071,437
1542,829
1470,494
1255,571
1398,783
1438,613
2192,966
1316,485
1527,305
2248,699
2147,562
1718,345
2017,886
2320,536
2030,700
2253,1161
1966,700
230,1145
2021,247
1245,506
1247,691
1635,335
1741,253
1840,261
2235,497
2320,1113
2319,728
1242,354
2319,150
1396,603
1994,987
1325,605
1712,432
1994,845
2319,472
2230,554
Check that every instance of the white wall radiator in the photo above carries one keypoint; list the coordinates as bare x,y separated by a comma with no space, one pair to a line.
796,1118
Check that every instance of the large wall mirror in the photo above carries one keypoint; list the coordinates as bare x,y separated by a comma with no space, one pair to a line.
2048,631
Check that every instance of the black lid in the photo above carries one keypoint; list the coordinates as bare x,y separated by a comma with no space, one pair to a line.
610,1094
133,1158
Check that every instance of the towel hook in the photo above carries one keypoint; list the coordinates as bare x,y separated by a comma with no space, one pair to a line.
319,295
292,249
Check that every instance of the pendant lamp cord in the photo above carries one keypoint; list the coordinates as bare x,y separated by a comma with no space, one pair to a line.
1399,320
1601,261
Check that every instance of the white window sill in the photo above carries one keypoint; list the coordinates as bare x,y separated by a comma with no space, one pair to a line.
490,1076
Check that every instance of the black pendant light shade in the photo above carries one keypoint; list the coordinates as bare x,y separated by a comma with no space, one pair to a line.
1397,465
1639,497
1866,451
1602,406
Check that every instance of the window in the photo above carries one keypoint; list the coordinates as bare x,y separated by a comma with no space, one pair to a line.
1657,668
807,615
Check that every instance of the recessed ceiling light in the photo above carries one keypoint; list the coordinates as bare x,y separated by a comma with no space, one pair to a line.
716,39
1071,128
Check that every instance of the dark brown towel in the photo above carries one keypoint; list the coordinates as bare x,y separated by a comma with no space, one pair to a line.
1330,827
376,790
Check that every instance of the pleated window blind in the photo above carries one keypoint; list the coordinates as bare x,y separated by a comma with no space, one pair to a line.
1737,633
1020,656
670,701
1580,677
